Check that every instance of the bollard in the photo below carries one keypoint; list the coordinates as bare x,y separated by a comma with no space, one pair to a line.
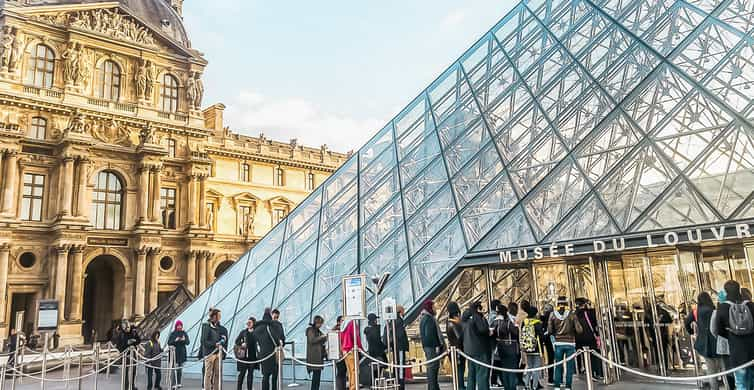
454,367
67,365
334,375
107,372
96,364
355,351
2,375
123,371
15,364
588,368
81,364
20,366
279,358
220,369
44,361
564,374
170,367
293,365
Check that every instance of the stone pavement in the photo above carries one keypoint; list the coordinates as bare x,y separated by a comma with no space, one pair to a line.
113,383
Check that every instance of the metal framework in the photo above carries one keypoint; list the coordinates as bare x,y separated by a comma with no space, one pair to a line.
567,120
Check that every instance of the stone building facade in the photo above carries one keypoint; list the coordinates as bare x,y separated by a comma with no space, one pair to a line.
115,186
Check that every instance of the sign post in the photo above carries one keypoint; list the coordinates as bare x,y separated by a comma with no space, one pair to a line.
354,308
47,315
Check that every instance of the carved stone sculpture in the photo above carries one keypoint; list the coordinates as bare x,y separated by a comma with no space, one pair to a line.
191,91
105,22
112,132
77,124
147,135
7,47
17,53
72,63
141,79
199,92
151,78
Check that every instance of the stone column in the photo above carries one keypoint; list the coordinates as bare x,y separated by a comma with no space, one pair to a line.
81,207
141,276
191,209
4,263
203,201
143,193
11,184
202,271
156,184
61,276
66,193
191,272
77,277
154,273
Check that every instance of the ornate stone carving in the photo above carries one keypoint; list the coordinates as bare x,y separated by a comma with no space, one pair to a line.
147,135
77,67
112,132
145,77
103,21
194,90
11,45
77,125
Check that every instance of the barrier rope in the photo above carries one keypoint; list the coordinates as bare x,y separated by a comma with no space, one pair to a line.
404,366
30,376
672,378
233,357
520,370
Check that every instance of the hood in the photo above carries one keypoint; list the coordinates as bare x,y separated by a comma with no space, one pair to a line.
563,316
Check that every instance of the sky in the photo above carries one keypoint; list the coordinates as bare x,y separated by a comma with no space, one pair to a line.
328,72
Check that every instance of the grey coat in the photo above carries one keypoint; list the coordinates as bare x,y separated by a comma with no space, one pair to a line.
315,347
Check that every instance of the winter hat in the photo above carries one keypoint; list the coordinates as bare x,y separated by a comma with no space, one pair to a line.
178,323
429,306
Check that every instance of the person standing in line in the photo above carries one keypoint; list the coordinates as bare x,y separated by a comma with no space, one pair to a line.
12,348
340,366
505,332
245,348
589,337
454,331
531,337
214,340
736,324
153,353
697,323
563,327
398,343
548,349
128,338
375,347
349,343
178,339
268,338
315,350
432,342
476,344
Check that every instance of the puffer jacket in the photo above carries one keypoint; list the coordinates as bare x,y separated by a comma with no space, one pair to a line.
564,326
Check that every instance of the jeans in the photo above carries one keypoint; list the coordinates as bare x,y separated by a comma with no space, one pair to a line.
562,351
532,378
461,371
510,379
479,376
316,377
247,371
713,366
179,373
270,380
744,378
433,369
153,372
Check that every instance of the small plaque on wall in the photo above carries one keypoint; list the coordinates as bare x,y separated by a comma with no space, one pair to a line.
104,241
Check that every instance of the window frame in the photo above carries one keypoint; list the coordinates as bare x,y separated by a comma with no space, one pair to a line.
109,80
309,181
278,177
40,71
109,191
35,200
278,214
38,124
168,202
244,211
169,93
171,147
245,172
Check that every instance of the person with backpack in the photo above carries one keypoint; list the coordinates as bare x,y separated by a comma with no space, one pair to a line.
245,348
722,349
563,328
153,364
268,338
505,332
697,323
735,323
531,338
454,331
589,337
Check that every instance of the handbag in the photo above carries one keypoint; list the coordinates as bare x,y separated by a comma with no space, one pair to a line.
508,347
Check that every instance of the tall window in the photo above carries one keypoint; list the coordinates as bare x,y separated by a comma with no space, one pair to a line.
279,179
169,93
167,207
245,172
107,201
109,80
309,181
41,67
277,216
171,147
244,220
38,128
31,202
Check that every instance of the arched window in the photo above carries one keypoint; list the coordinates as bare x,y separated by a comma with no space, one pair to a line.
107,201
169,93
38,128
109,80
41,67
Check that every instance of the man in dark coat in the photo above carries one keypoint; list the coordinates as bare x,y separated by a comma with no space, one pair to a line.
246,347
432,342
128,337
476,344
269,337
398,345
454,331
214,339
315,350
375,347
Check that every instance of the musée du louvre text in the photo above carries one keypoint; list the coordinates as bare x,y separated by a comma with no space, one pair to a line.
692,235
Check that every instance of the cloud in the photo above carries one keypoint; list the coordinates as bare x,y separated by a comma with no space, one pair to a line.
291,117
454,18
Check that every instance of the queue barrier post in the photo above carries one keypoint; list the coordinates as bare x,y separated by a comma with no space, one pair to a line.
2,374
588,368
123,368
96,364
335,375
15,364
454,367
22,346
66,365
109,348
44,362
170,367
279,358
81,365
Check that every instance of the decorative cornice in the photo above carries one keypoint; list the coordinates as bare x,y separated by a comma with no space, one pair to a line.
253,156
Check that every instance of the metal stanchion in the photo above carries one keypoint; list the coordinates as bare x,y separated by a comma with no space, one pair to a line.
22,345
588,368
15,364
220,369
293,365
279,358
170,367
454,367
2,375
334,375
67,365
355,352
123,369
109,350
81,365
44,361
96,364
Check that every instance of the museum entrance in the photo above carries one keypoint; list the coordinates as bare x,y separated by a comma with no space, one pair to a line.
103,297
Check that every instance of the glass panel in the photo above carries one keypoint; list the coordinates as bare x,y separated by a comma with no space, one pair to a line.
304,213
433,262
681,206
340,179
513,231
294,246
589,220
487,209
330,273
303,268
375,146
467,146
426,223
335,208
260,278
338,234
296,307
425,185
381,194
382,225
376,170
419,158
252,307
477,175
389,258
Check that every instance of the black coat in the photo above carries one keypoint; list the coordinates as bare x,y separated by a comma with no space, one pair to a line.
127,339
706,342
268,336
454,331
587,338
430,332
476,335
179,345
741,347
251,349
211,336
400,338
375,347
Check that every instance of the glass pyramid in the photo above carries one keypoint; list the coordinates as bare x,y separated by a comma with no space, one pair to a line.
567,120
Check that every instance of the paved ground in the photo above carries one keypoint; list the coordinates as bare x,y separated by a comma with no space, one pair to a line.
113,382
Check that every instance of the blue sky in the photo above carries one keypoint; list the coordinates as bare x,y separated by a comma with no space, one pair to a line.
331,71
